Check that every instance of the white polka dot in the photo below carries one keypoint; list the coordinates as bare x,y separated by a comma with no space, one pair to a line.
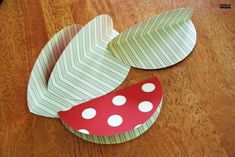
88,113
119,100
145,106
84,131
137,126
115,120
148,87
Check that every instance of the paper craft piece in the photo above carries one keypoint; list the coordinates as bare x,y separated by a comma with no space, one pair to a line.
118,116
158,42
87,69
40,100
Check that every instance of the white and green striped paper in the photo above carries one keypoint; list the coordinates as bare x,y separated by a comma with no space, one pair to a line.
40,100
85,70
158,42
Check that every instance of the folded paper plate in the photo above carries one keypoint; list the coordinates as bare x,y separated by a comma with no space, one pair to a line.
158,42
118,116
40,100
75,66
87,69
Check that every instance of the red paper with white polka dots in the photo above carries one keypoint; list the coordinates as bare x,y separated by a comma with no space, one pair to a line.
116,112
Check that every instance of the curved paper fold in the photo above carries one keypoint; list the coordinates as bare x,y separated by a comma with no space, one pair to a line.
118,116
119,138
87,69
40,100
158,42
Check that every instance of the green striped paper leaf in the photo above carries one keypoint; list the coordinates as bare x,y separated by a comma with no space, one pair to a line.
157,42
87,69
74,69
40,100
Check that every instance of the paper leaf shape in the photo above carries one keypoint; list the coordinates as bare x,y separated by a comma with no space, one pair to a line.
87,69
158,42
118,116
40,101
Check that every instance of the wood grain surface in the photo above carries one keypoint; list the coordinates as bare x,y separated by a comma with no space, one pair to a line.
198,115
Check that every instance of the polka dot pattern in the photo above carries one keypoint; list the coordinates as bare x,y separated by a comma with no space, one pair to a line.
116,112
115,120
145,106
119,100
148,87
88,113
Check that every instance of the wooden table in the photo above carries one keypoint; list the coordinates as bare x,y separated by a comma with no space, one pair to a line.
198,116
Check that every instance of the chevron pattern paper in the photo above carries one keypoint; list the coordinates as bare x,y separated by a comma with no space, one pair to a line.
87,69
40,100
158,42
